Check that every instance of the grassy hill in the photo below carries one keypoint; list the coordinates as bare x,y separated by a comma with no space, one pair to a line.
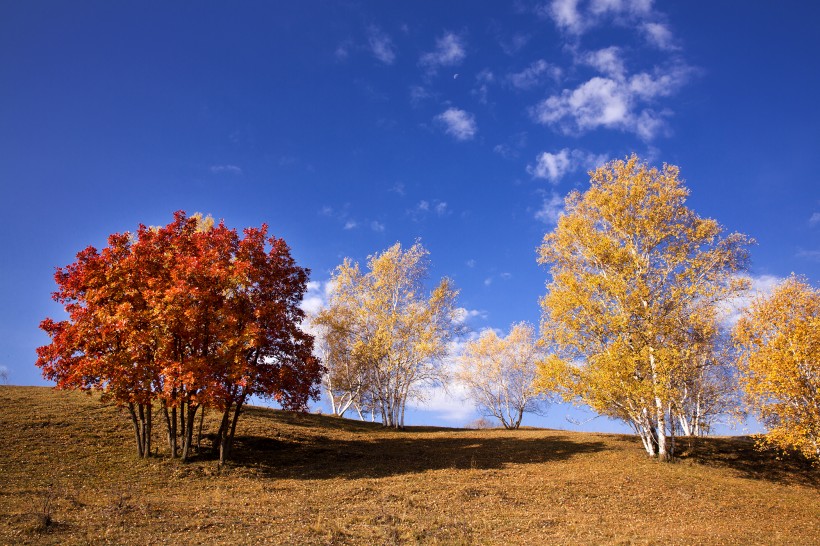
311,479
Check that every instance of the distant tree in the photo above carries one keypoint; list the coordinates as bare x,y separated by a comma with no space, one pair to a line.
633,272
779,340
345,381
705,388
388,329
188,316
500,374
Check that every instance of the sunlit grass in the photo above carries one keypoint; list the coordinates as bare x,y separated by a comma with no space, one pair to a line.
311,479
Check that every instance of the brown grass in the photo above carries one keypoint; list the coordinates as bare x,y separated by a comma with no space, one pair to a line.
310,479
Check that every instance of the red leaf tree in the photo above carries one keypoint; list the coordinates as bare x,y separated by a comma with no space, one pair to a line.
185,316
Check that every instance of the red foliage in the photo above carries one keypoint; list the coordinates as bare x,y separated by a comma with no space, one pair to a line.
183,314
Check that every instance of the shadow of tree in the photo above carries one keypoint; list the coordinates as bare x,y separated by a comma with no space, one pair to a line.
326,458
740,454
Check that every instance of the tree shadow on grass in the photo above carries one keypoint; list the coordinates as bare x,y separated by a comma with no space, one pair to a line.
326,458
740,454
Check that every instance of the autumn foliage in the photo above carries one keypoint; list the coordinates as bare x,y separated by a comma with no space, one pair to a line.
500,374
632,307
183,317
387,337
779,341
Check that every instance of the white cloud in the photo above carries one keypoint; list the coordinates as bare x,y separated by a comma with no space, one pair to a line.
660,36
350,224
463,315
607,61
316,297
565,14
441,208
534,75
451,404
470,263
449,51
229,169
815,219
488,281
457,123
381,45
551,209
598,102
554,166
574,18
762,285
613,102
377,226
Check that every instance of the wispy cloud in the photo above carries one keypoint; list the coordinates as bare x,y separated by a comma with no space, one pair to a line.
226,169
348,222
482,87
813,255
551,209
418,94
554,166
576,18
449,51
457,123
515,44
381,45
660,36
342,51
425,208
814,219
535,74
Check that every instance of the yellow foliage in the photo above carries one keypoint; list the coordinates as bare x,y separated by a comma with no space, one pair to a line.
779,339
635,276
385,325
500,373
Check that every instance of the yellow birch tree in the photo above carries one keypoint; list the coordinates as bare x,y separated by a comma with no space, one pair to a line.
500,374
779,341
635,274
389,327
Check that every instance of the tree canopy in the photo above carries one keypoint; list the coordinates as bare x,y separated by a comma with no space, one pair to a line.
388,335
779,341
188,315
500,373
630,309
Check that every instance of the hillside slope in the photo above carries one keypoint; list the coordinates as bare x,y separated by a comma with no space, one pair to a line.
310,479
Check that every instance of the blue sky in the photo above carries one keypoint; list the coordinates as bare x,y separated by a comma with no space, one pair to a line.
348,126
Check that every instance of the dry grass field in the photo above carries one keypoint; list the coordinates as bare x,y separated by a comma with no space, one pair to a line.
311,479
